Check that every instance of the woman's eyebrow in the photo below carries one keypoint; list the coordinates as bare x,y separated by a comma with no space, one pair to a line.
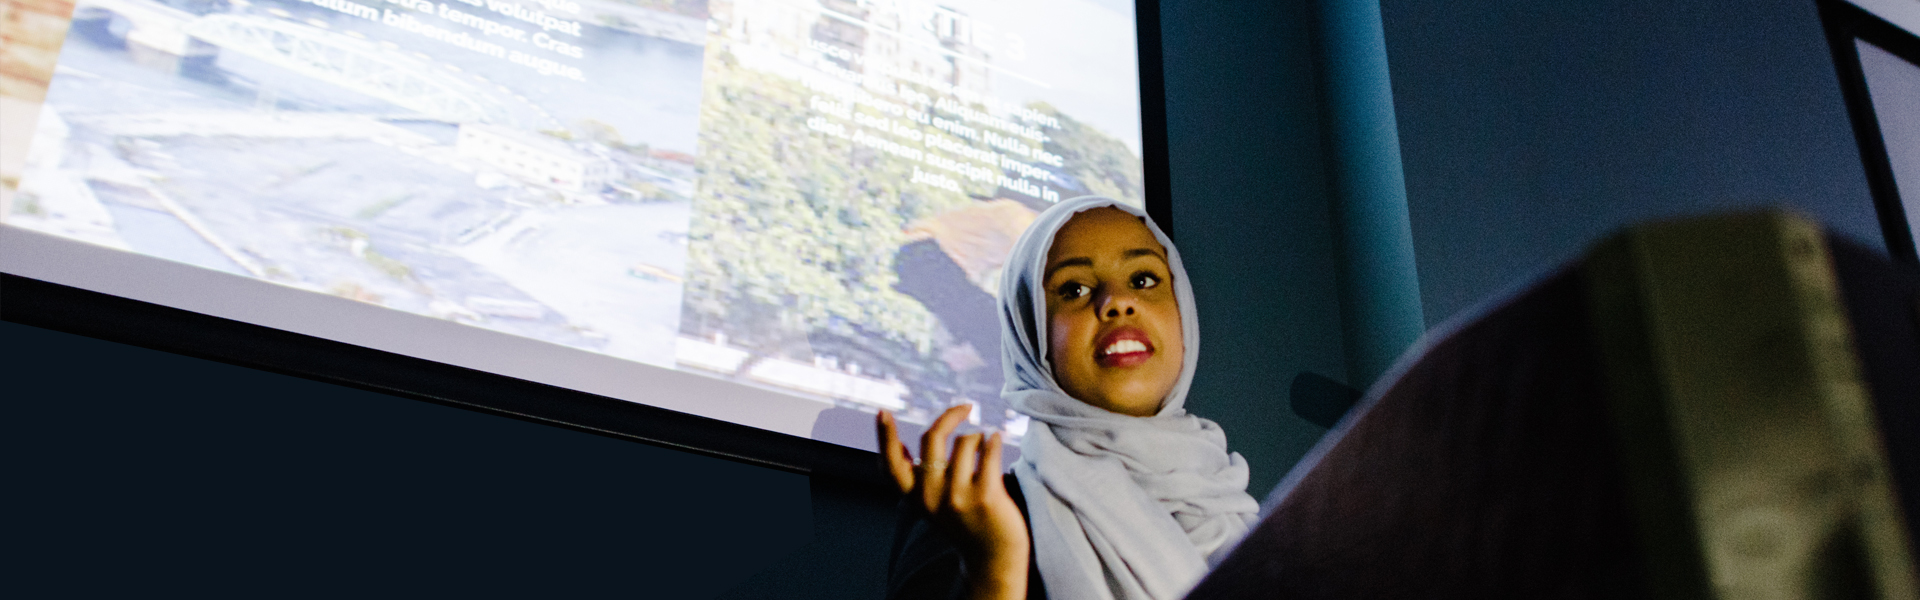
1078,261
1082,261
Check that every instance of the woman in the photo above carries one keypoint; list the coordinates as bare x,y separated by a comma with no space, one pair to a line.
1118,493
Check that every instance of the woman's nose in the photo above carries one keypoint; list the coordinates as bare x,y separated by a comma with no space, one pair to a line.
1114,304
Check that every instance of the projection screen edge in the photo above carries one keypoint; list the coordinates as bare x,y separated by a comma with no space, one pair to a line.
79,264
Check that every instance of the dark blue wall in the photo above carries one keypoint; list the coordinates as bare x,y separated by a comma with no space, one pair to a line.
1530,129
133,472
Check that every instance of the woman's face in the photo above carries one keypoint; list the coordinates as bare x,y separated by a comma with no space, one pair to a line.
1113,324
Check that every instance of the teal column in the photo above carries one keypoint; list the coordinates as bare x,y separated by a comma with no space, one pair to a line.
1379,286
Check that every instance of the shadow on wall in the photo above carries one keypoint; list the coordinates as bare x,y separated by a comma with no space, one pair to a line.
1319,399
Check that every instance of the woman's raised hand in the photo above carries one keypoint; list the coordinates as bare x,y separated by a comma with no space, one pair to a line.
966,498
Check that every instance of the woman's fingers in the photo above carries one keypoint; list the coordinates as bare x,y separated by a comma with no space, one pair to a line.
966,454
883,431
933,444
987,478
933,457
894,453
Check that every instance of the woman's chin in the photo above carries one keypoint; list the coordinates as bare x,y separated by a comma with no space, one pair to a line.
1132,389
1136,400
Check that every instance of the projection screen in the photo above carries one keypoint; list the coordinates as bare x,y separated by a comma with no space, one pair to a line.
786,214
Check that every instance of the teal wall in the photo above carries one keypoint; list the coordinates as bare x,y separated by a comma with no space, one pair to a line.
1379,289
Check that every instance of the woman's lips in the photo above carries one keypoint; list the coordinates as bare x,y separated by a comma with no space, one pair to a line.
1123,347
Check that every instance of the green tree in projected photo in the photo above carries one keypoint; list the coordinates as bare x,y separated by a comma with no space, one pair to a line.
803,223
795,232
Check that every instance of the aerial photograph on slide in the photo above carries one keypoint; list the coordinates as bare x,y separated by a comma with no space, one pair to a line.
526,166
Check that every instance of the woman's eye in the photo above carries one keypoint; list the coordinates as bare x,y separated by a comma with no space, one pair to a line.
1143,281
1074,291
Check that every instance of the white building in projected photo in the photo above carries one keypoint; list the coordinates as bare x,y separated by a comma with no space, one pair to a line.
918,41
535,158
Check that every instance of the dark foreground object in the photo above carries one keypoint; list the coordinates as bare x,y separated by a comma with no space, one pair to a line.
1716,408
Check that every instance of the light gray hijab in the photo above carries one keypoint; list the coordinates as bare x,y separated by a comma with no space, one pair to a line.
1121,507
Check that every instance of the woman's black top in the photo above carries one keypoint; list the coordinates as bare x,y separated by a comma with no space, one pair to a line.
926,563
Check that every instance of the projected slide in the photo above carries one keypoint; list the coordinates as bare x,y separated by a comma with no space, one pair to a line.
807,197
